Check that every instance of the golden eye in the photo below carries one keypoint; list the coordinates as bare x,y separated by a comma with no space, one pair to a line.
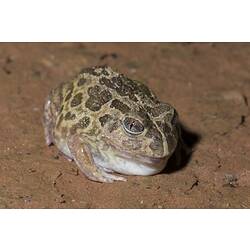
132,126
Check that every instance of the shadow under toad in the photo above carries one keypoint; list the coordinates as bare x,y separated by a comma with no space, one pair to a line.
184,150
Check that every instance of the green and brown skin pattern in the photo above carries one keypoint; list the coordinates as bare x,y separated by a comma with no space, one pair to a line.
102,115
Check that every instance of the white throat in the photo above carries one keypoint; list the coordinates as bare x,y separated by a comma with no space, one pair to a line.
128,166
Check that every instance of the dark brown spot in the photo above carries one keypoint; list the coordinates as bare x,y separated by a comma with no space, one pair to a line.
105,72
96,98
120,106
77,99
70,116
68,96
105,96
123,86
81,82
133,98
97,72
133,84
113,126
125,90
145,91
117,81
84,122
61,109
128,88
104,119
94,91
105,81
158,109
93,104
91,71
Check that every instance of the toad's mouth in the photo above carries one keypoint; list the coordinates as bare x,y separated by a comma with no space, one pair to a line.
129,164
145,160
150,161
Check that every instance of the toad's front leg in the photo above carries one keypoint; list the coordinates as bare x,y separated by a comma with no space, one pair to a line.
83,157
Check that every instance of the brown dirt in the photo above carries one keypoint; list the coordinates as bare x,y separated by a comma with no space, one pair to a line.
208,83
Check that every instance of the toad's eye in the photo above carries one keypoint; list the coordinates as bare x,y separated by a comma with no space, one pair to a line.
132,126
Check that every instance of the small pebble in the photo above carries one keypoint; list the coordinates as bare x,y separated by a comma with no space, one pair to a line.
35,109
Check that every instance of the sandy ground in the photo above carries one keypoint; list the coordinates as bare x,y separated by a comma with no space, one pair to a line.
209,84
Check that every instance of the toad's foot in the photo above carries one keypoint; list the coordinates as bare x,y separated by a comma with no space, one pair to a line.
102,176
84,160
